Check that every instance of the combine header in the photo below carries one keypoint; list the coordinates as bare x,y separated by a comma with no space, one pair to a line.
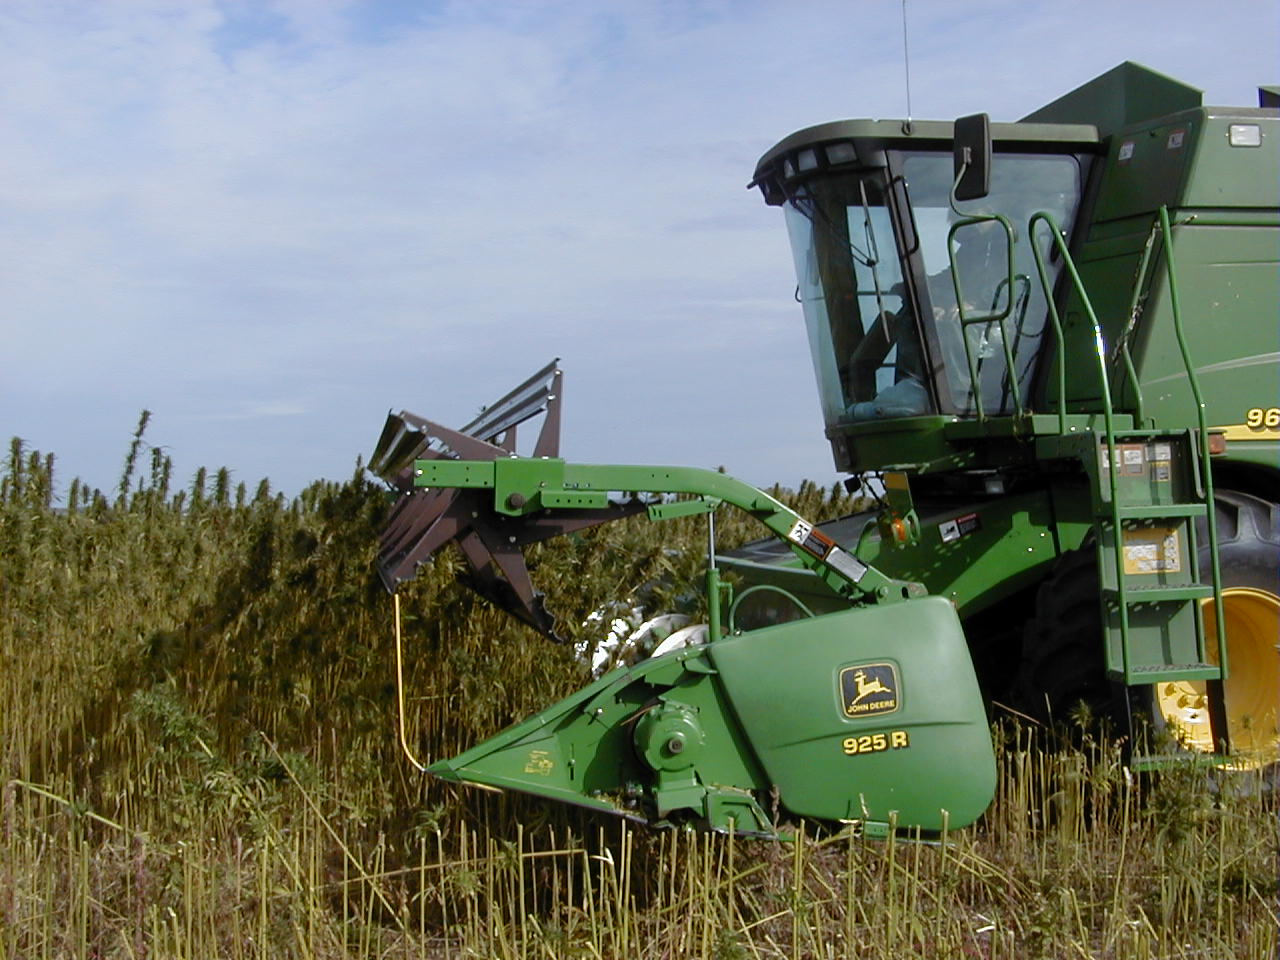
1053,344
818,710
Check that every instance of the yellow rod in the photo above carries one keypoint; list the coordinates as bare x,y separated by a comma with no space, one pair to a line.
404,743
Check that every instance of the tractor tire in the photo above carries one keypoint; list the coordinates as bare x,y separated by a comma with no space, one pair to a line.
1249,561
1062,656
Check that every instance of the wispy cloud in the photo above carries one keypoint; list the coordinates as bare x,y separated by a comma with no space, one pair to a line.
251,410
391,204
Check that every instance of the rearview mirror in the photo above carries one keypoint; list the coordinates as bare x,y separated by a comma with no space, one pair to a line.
972,157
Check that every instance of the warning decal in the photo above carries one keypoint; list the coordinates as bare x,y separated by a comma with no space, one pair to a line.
1152,550
952,530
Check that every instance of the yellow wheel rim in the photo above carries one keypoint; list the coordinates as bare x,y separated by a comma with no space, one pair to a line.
1252,689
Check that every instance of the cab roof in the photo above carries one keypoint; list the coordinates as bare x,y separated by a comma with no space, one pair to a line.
862,143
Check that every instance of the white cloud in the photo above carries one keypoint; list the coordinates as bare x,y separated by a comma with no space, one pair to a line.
369,205
252,410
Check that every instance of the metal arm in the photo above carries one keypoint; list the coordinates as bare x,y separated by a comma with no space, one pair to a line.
523,487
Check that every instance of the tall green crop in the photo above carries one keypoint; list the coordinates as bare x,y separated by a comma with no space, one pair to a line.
198,759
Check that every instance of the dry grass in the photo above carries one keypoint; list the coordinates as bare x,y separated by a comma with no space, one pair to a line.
198,759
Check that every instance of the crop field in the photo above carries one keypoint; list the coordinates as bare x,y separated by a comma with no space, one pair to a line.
198,758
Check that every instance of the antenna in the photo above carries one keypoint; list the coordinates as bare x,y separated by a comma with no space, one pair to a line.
906,63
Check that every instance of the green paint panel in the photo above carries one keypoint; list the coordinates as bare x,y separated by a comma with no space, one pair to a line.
581,750
453,473
923,749
1146,168
884,444
785,708
974,554
1228,273
1124,95
1226,176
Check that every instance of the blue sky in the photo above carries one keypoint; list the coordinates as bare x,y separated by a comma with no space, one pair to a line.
270,222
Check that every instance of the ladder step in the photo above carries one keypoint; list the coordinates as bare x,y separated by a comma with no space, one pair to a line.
1158,511
1162,672
1160,593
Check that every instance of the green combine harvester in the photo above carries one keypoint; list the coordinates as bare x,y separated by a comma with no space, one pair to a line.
1052,350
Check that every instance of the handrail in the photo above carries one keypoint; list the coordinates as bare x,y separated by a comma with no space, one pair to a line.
1166,235
1205,485
975,385
1060,341
1100,351
1021,302
1122,346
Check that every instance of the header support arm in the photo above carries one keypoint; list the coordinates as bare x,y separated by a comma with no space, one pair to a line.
524,486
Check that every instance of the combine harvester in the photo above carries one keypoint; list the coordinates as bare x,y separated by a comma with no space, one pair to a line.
1055,344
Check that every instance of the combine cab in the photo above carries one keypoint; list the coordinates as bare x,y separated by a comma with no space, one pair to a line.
1055,342
1050,347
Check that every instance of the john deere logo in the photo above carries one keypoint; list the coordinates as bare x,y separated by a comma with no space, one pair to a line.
539,762
869,689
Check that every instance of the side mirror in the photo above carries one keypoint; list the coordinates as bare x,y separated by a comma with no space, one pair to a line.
972,157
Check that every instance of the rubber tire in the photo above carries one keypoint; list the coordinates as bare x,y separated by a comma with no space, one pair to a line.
1062,655
1248,556
1248,541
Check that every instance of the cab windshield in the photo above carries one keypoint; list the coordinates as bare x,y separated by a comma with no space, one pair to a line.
867,352
1021,185
888,343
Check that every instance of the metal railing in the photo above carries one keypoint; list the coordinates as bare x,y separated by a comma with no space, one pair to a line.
1201,470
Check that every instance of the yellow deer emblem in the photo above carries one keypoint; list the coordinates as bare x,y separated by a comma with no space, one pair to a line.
865,688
